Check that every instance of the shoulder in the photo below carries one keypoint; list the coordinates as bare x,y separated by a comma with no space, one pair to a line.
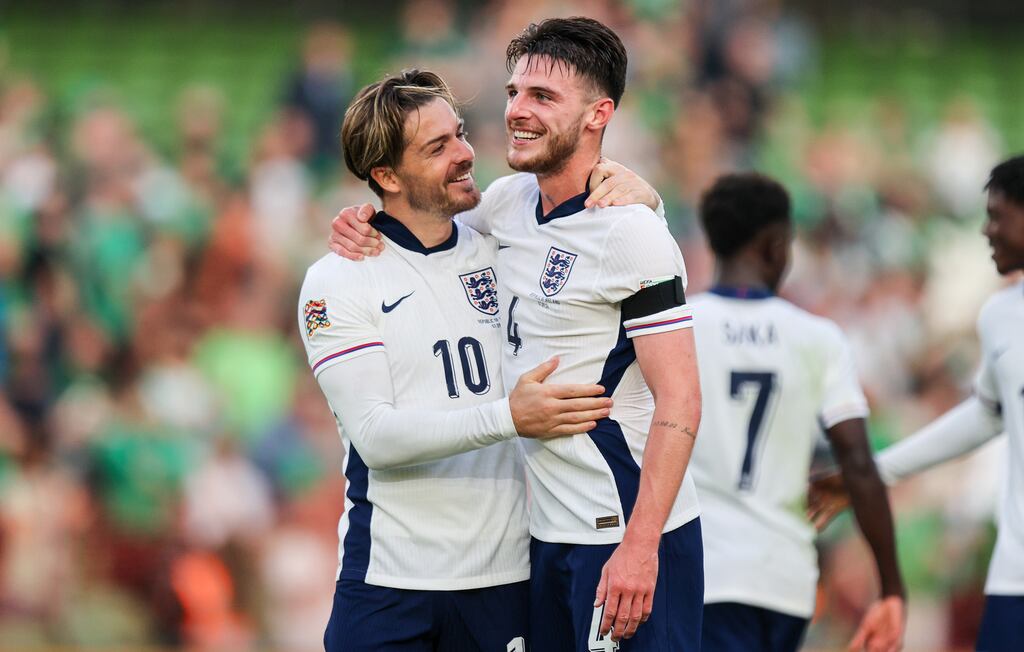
810,327
999,304
511,186
334,273
474,242
636,224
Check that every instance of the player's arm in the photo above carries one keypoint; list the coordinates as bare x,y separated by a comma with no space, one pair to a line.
959,431
643,269
361,394
883,625
611,183
668,362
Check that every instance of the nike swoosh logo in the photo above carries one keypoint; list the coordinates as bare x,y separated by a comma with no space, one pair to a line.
386,308
500,247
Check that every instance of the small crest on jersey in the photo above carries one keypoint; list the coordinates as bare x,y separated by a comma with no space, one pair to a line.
482,290
316,315
648,282
556,271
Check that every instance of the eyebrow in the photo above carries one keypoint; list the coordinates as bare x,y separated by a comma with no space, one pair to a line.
433,141
534,89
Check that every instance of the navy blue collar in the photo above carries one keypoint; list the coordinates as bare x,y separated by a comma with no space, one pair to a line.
570,206
404,238
734,292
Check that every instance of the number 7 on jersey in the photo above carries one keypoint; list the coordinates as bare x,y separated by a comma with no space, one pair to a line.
765,382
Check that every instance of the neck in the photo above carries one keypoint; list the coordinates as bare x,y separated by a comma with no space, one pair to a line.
568,181
732,273
430,229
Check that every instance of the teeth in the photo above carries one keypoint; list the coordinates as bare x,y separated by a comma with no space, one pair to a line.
462,178
525,135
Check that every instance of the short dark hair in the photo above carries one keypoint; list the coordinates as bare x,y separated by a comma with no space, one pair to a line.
738,206
588,47
1008,179
373,132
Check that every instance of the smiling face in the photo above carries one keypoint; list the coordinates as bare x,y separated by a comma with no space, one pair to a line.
1004,229
545,114
435,174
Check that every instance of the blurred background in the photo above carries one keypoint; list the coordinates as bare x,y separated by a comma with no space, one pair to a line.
169,471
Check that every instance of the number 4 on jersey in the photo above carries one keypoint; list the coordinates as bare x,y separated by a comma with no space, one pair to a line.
512,332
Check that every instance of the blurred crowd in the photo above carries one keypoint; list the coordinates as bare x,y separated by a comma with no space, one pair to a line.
169,470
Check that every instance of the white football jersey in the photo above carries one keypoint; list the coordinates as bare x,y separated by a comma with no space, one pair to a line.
1001,384
459,522
772,376
563,279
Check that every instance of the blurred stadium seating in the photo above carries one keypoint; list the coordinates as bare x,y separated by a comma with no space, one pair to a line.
168,469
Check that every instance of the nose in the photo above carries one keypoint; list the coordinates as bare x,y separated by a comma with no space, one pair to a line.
464,153
515,109
989,228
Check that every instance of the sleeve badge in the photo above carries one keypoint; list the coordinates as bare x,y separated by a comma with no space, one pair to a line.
316,315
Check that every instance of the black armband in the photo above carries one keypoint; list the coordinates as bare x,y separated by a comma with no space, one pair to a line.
654,299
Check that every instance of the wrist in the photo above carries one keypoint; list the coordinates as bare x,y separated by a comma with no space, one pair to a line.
642,538
894,591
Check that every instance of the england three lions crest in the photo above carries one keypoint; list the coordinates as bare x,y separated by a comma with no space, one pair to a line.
556,271
482,290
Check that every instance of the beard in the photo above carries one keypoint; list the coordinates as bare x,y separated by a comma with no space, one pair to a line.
430,198
561,147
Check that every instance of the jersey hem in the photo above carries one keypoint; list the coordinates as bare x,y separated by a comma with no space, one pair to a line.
435,584
788,607
1005,590
605,538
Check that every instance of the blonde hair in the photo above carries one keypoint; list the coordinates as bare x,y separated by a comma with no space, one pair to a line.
373,132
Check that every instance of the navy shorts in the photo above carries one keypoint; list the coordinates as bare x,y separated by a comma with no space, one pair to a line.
1002,626
734,627
563,582
368,618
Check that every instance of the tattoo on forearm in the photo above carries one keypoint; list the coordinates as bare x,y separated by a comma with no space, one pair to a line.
672,425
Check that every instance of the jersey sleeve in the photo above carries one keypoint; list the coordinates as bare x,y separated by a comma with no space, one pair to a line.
642,268
842,398
335,321
361,394
985,386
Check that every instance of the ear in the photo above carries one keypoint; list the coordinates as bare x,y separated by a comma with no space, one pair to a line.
600,113
386,179
777,247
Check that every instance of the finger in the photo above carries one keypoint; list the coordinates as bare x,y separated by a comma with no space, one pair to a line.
622,617
611,609
600,185
366,213
616,197
354,222
602,588
341,251
338,240
576,391
572,429
858,640
636,614
541,371
648,607
584,417
569,405
344,247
